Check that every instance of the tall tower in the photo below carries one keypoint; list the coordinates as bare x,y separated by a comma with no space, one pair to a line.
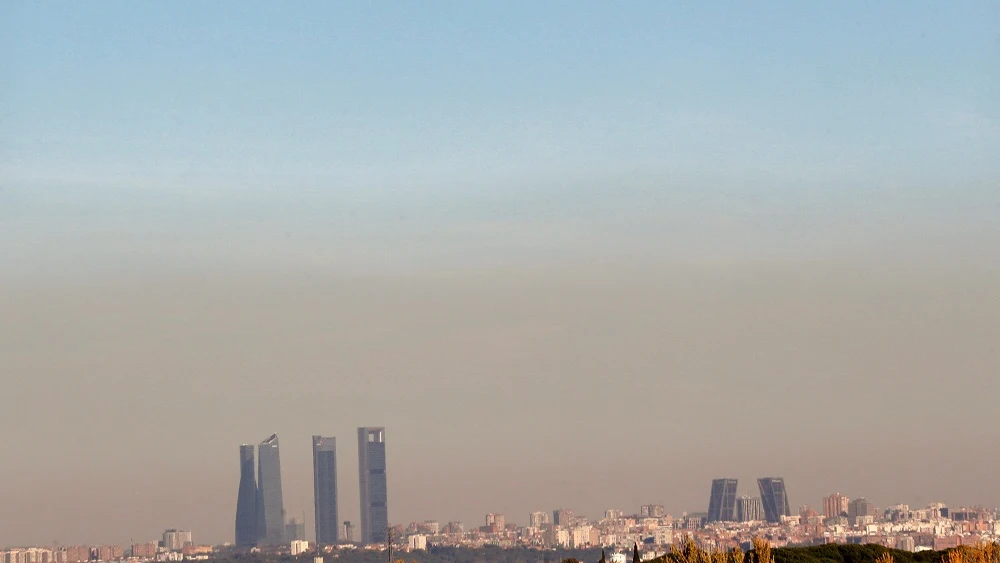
722,502
246,500
374,494
270,506
774,497
325,490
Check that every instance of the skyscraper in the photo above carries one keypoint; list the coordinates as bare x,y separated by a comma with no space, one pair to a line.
722,502
246,500
774,497
749,509
371,477
270,506
325,490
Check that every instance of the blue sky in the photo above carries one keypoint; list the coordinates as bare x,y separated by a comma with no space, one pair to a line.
402,118
352,96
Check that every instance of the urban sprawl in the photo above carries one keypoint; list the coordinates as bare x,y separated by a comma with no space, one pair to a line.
731,520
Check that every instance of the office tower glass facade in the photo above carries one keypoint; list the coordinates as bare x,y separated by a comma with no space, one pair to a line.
270,505
325,490
774,497
722,502
246,500
374,493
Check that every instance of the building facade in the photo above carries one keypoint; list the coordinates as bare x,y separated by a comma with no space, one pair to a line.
246,500
562,517
860,508
774,497
270,504
835,505
538,519
722,502
749,509
372,480
325,490
651,511
176,540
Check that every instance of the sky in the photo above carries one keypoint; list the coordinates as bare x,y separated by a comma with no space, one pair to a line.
578,254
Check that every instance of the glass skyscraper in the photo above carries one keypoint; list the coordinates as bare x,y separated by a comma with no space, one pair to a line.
270,506
374,494
774,497
325,490
722,503
246,500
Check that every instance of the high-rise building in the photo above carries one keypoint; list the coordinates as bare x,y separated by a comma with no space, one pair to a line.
374,493
860,508
538,519
145,550
325,490
651,511
835,505
246,499
495,522
722,502
176,540
562,517
749,509
774,497
270,505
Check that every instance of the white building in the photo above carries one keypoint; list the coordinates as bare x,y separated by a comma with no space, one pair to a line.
418,541
299,547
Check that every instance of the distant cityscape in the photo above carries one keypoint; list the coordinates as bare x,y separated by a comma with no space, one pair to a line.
730,521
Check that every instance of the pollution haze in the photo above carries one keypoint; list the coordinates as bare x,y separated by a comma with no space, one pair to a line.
570,254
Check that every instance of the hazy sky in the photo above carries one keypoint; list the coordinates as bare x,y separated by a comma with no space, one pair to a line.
571,254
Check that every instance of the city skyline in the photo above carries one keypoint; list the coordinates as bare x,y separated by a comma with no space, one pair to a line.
861,515
539,241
